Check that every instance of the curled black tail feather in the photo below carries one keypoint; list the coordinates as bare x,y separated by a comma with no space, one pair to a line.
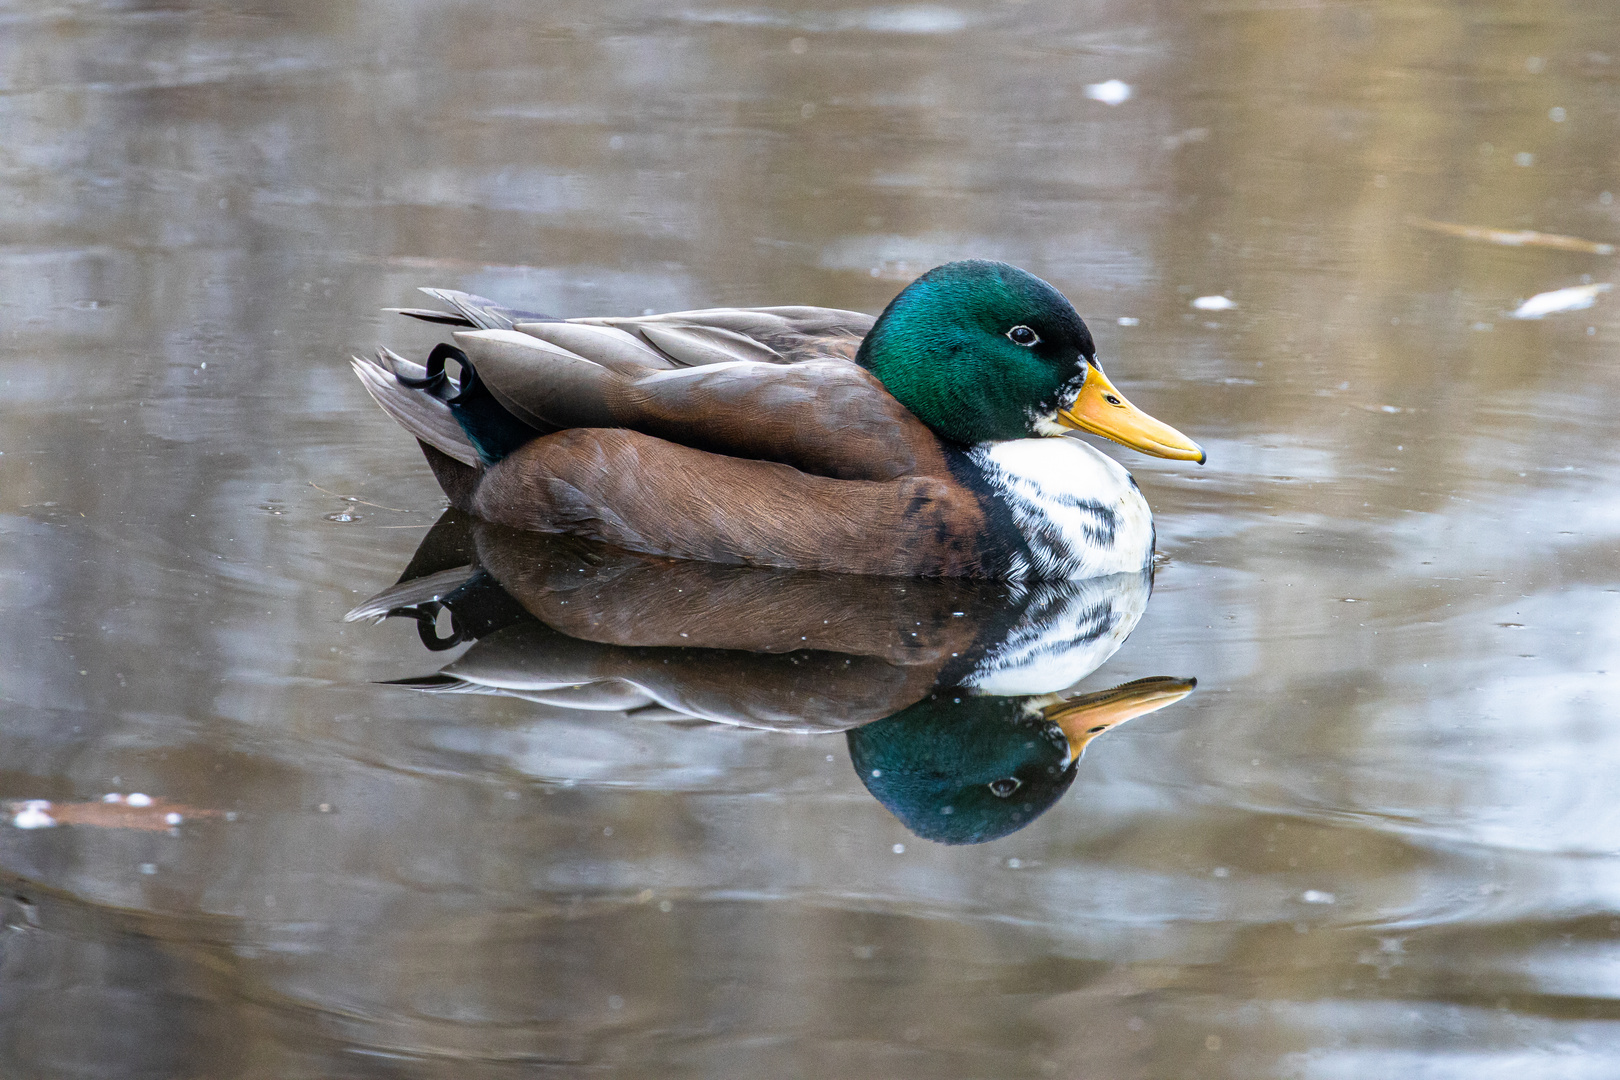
493,431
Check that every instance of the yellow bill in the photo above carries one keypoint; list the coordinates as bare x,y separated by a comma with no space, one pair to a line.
1085,717
1102,410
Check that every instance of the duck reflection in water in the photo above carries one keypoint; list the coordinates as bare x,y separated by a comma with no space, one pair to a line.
947,689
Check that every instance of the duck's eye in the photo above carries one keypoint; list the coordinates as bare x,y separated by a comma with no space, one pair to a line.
1023,335
1004,787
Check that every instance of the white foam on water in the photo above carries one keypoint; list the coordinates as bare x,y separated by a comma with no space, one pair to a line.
35,814
1112,92
1574,298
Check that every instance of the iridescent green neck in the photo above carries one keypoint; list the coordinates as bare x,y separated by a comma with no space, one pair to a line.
941,348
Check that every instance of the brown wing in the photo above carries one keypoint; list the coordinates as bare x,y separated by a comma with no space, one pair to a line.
828,417
663,498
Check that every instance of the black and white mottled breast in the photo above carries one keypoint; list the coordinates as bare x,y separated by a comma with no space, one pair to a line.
1077,511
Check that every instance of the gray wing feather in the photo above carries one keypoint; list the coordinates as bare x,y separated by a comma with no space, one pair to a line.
696,346
617,350
776,334
540,383
589,373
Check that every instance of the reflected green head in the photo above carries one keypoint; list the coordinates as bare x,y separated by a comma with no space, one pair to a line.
979,351
962,769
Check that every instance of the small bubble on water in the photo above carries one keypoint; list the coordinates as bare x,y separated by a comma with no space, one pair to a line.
899,849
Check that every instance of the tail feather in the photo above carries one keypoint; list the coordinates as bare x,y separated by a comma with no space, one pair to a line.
433,315
412,593
423,415
477,311
399,366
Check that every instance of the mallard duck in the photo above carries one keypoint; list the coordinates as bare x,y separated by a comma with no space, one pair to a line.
918,444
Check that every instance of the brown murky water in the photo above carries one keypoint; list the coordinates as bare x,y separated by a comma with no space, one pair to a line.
1382,838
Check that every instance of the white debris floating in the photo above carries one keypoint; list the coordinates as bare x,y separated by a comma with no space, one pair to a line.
1316,896
1574,298
1112,92
34,814
1214,303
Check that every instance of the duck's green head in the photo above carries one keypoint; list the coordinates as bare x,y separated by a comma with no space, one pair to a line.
982,351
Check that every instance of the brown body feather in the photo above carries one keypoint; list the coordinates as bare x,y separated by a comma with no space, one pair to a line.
651,495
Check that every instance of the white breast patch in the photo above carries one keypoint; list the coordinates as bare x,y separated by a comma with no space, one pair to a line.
1078,509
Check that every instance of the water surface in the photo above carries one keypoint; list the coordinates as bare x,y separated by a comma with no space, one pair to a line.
1379,839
